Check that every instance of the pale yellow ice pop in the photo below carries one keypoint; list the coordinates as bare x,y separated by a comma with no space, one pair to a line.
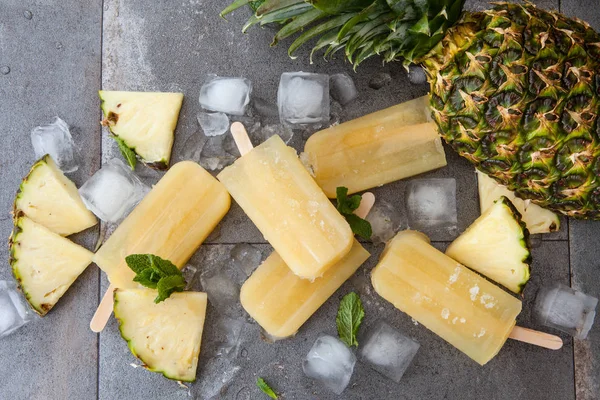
376,149
454,302
171,222
281,302
274,189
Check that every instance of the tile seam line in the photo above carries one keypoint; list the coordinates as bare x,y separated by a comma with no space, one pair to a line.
101,151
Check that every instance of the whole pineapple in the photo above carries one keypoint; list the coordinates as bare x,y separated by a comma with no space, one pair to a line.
514,89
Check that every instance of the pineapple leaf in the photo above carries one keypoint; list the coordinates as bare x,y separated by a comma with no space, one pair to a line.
340,6
298,24
270,6
233,6
318,30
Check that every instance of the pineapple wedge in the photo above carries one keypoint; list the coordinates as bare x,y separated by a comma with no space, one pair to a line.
537,219
166,336
44,263
144,123
49,198
495,245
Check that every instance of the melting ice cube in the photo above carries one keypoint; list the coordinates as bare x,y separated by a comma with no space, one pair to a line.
14,313
213,124
566,309
431,203
228,95
246,257
385,221
55,139
331,362
388,351
113,191
303,99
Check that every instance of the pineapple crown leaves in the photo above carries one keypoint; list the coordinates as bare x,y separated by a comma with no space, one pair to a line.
156,273
394,29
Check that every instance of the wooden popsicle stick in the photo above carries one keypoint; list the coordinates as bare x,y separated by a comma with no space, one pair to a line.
367,202
536,338
240,136
103,312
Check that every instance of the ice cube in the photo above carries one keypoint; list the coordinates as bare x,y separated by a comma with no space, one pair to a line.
214,375
416,75
213,124
385,221
229,331
113,191
265,108
218,152
228,95
56,140
566,309
223,292
303,99
342,88
431,204
14,313
190,274
246,257
387,351
331,362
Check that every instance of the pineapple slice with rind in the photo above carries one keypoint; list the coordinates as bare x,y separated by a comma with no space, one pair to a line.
166,336
537,219
144,121
49,198
44,263
495,245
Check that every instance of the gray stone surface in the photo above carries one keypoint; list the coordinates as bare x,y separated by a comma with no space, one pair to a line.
54,61
67,51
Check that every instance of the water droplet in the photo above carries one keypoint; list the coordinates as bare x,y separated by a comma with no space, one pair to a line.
5,70
244,394
27,14
59,46
244,353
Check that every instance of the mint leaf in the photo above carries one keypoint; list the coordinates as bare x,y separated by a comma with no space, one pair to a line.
349,318
346,206
156,273
147,278
264,386
138,262
164,267
126,151
167,285
360,227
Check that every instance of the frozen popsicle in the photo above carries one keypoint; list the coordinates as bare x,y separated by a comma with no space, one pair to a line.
281,302
171,222
454,302
288,207
376,149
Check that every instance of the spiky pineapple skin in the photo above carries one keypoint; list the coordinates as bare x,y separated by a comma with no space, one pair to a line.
515,91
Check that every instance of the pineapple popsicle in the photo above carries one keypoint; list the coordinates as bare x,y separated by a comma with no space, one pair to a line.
281,302
274,189
171,222
454,302
376,149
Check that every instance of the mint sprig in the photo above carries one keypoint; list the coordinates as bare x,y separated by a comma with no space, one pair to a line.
156,273
126,151
264,386
349,317
346,206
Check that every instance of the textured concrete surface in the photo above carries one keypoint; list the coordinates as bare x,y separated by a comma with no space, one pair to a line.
53,52
60,57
